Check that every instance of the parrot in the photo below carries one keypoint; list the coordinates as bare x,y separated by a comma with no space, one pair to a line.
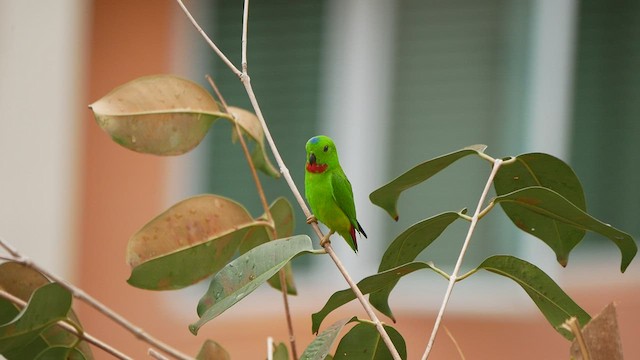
329,192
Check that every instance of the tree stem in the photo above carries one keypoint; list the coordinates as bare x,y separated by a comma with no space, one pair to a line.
454,276
267,211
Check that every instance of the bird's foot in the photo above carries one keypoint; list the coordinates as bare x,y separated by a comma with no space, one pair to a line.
325,239
312,219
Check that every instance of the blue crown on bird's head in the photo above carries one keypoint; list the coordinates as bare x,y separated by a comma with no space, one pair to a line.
314,139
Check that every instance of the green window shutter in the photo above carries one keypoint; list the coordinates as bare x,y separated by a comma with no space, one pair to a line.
606,117
458,82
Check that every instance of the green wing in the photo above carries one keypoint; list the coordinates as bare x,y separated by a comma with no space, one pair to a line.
343,195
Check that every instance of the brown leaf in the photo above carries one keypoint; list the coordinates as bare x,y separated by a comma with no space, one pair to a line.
601,336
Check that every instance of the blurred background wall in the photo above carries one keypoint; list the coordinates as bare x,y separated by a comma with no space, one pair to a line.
395,83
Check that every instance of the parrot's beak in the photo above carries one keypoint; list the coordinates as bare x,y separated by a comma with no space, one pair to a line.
312,159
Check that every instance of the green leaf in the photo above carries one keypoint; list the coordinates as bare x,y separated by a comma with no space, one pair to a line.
244,274
283,221
321,345
21,281
211,350
405,248
60,352
48,305
555,304
549,204
188,242
158,114
387,196
537,169
363,342
369,285
281,352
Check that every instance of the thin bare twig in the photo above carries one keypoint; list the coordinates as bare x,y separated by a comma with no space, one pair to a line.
267,211
453,277
246,81
455,343
211,43
245,28
82,335
91,301
156,355
573,325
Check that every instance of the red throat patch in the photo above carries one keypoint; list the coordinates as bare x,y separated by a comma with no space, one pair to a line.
316,168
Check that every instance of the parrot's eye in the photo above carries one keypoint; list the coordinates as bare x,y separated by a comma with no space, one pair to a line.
326,148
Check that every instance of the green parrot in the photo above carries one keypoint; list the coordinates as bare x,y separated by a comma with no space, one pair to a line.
329,192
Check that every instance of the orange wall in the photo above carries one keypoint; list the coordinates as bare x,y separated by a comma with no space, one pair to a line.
121,190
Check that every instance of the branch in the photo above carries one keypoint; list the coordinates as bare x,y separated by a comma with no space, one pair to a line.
246,81
81,295
80,334
454,276
209,41
267,211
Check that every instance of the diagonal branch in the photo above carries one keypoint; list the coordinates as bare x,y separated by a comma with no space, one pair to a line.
80,334
246,81
91,301
454,276
267,211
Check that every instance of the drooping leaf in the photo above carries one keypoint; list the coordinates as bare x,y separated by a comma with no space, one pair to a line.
602,337
551,205
21,281
553,302
211,350
245,274
387,196
251,126
48,305
363,342
369,285
537,169
158,114
281,352
321,345
405,248
188,242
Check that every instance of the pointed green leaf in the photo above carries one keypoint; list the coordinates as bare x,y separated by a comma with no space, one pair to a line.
21,281
211,350
548,204
244,274
369,285
405,248
555,304
387,196
363,342
188,242
283,221
537,169
48,305
158,114
281,352
321,345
